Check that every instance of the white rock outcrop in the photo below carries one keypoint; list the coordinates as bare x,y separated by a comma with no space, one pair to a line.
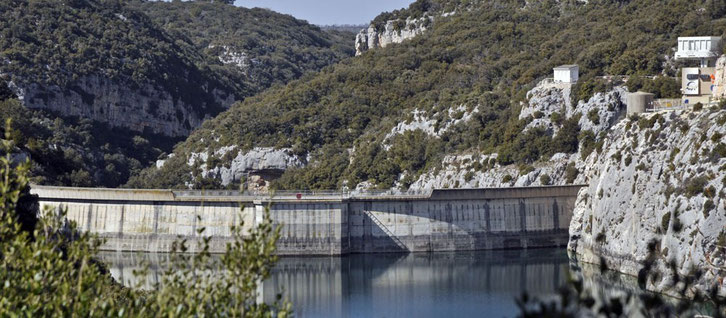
550,99
435,124
258,161
370,38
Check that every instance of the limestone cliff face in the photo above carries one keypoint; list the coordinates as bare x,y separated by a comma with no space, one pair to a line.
546,101
719,89
260,164
394,31
659,179
138,107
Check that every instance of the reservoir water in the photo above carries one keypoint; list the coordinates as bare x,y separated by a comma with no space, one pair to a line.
483,283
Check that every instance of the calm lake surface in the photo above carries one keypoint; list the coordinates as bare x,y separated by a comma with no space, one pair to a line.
484,283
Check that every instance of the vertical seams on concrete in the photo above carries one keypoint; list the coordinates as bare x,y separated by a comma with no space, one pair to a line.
556,214
452,221
522,216
121,222
88,217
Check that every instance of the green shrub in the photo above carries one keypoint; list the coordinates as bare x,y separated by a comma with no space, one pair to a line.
571,173
698,107
468,176
665,221
588,143
716,137
537,114
587,87
594,116
649,122
661,86
709,192
525,169
707,207
628,160
507,179
601,238
695,185
719,151
545,179
673,154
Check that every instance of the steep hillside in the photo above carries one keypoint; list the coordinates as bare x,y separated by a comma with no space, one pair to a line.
252,49
400,25
78,152
390,115
116,67
90,64
163,74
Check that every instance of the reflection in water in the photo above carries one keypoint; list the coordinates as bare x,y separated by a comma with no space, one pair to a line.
395,285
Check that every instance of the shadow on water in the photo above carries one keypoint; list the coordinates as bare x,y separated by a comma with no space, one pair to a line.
394,285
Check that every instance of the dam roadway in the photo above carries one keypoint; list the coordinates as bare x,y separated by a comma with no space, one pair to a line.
323,223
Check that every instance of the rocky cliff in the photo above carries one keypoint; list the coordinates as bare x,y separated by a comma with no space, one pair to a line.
147,107
258,165
655,184
394,31
655,193
548,106
153,67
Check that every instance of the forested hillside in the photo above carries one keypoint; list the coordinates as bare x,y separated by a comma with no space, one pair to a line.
133,77
462,82
253,48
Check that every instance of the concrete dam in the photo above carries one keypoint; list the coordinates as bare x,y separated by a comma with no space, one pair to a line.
323,223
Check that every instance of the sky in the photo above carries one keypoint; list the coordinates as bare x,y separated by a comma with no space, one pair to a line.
326,12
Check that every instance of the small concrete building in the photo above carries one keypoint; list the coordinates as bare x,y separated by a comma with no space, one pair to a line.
701,48
638,102
698,83
566,73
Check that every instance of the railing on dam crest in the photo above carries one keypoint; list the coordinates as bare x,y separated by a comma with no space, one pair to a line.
305,194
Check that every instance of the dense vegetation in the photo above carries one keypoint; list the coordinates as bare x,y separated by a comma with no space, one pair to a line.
79,152
278,48
47,268
486,57
57,42
174,46
418,10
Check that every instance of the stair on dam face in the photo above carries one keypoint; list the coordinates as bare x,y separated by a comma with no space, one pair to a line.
385,229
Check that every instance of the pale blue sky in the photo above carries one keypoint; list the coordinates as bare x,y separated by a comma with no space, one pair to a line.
324,12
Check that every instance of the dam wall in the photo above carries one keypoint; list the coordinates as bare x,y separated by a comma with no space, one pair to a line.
322,223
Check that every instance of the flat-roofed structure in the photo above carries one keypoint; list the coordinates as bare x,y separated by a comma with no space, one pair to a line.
701,48
566,73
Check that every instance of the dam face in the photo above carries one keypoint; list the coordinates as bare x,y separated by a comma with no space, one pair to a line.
323,223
